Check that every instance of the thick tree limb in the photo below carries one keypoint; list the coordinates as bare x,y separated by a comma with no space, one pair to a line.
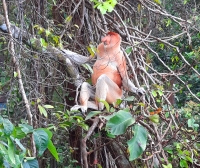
67,56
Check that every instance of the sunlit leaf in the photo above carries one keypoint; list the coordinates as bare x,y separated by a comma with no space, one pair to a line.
106,105
154,93
167,166
102,9
68,18
108,6
129,50
92,50
11,150
118,124
48,106
47,32
158,2
160,92
88,67
168,22
154,118
43,42
139,7
53,150
162,45
42,110
15,74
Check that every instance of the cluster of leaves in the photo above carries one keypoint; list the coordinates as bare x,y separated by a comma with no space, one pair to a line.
118,123
47,37
13,153
104,6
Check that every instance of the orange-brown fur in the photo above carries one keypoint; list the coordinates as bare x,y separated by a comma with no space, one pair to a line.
109,74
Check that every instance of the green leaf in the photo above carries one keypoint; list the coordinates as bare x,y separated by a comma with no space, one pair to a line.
92,50
154,93
26,128
48,106
99,166
137,144
68,18
11,150
154,118
43,42
102,9
117,103
8,127
88,67
191,123
47,32
3,149
15,74
105,104
183,163
130,98
189,159
158,2
18,133
49,133
38,100
110,135
141,104
108,6
56,39
42,110
120,122
30,162
185,1
113,3
20,145
53,150
139,7
41,140
129,49
160,92
92,114
169,22
162,45
167,166
190,54
108,117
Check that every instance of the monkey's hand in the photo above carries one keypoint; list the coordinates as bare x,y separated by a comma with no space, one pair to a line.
140,91
77,107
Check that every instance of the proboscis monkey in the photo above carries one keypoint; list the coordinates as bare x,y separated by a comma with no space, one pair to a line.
109,75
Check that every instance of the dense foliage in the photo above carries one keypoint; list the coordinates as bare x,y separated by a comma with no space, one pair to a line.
160,40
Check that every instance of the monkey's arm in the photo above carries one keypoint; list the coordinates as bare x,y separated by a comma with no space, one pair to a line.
126,82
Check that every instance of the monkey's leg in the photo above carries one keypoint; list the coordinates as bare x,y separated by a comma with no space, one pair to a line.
87,91
107,90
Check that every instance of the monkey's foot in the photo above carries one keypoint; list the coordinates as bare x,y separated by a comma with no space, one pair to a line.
141,91
77,107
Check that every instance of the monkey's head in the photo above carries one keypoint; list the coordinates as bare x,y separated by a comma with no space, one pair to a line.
111,40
